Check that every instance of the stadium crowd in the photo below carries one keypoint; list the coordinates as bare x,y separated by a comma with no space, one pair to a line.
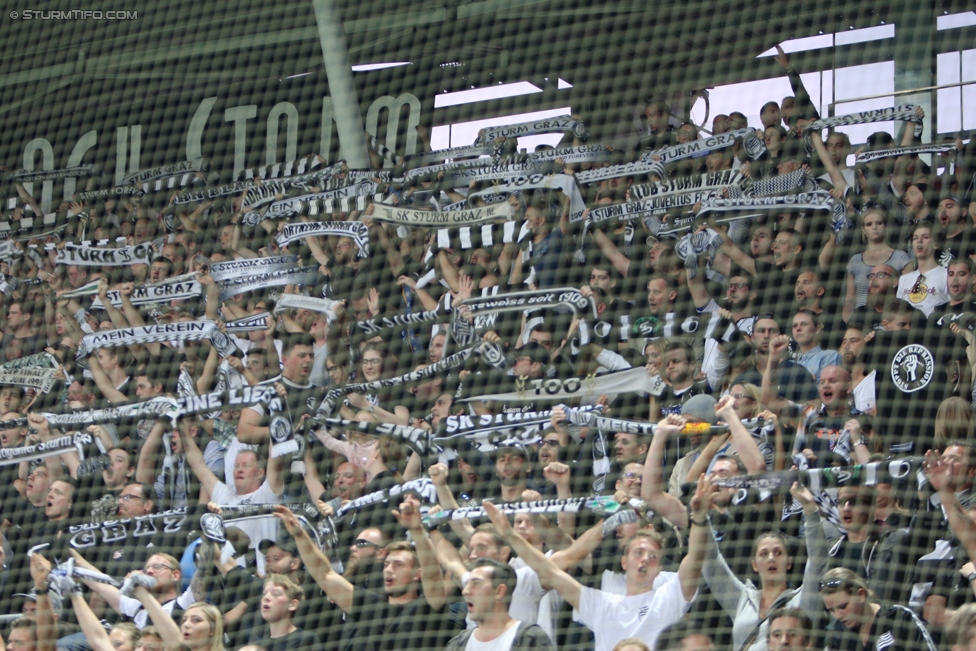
725,429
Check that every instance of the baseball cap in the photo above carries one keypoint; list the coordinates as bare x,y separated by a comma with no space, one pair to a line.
282,541
959,200
52,594
701,407
510,445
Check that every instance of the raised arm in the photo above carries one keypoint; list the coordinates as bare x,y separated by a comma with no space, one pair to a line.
768,395
146,465
47,629
461,528
549,573
745,445
169,632
652,481
431,577
690,570
318,566
194,457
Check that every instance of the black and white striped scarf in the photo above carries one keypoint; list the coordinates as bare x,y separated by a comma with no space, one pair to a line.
93,256
278,170
569,155
636,168
600,505
470,151
467,238
567,184
300,230
29,176
253,323
753,145
416,438
307,202
151,179
795,181
562,124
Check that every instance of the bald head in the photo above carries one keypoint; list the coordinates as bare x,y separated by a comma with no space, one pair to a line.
834,387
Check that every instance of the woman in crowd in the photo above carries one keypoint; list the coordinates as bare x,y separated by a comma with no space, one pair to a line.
378,363
747,605
874,226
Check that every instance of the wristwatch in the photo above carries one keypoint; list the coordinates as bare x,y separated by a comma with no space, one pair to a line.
971,577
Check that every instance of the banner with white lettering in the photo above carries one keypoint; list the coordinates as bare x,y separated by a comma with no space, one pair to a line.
180,331
221,271
563,123
83,255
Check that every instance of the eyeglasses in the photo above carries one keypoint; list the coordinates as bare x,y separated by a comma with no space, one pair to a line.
742,396
737,286
881,275
835,584
633,476
372,362
551,443
129,498
363,544
160,566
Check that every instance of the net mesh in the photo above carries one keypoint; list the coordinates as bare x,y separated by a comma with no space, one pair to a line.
588,261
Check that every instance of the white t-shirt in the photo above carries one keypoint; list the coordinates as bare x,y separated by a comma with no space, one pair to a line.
132,608
230,458
613,618
932,291
501,643
864,395
525,599
263,528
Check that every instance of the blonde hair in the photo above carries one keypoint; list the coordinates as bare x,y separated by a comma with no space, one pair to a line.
212,614
841,579
130,630
952,421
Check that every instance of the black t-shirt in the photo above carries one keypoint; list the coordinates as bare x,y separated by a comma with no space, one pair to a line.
849,555
376,624
297,640
778,288
912,381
